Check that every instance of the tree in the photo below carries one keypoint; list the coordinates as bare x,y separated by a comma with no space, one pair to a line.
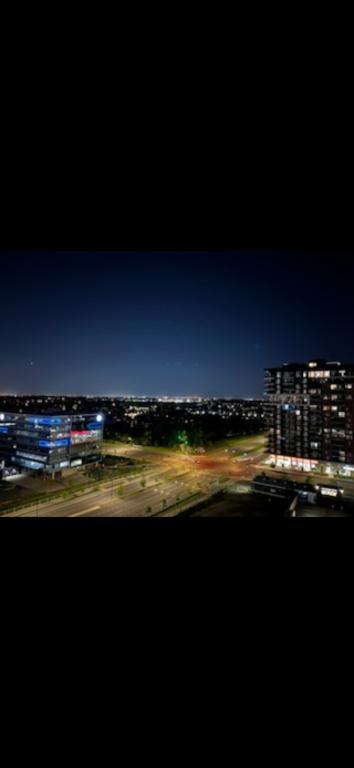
143,482
182,439
120,490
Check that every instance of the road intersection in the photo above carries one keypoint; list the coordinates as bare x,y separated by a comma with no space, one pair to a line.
170,482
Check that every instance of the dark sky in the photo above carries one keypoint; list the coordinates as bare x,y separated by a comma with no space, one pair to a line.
168,323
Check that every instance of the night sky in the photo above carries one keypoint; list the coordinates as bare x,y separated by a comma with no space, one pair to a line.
168,323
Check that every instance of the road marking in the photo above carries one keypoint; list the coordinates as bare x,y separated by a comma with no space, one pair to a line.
85,512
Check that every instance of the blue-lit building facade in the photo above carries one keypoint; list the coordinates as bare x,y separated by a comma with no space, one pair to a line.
50,443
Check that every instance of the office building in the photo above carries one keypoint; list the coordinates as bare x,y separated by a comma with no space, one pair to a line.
50,443
310,415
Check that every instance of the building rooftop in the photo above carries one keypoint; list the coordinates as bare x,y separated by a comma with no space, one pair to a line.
53,414
314,363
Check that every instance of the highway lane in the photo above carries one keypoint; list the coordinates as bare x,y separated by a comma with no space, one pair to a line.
179,480
170,491
129,484
170,476
135,501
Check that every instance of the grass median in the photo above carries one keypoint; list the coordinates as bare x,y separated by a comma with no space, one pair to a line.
90,485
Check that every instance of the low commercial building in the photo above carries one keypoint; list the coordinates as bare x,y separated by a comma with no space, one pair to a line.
50,443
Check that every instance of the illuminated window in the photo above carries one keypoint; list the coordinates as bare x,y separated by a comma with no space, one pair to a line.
334,407
319,374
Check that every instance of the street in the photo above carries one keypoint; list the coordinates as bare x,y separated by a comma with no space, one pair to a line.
159,493
171,479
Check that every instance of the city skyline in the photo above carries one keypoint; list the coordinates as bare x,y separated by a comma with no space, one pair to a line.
166,324
159,397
